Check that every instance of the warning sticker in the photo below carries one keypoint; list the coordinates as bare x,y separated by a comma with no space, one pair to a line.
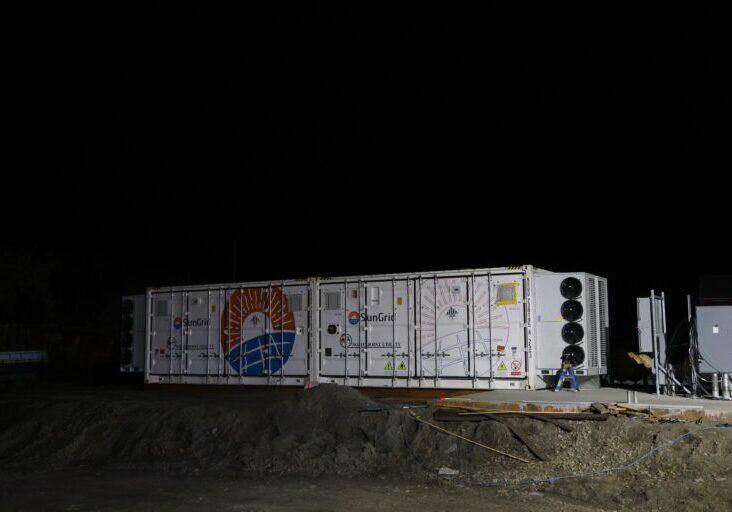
502,366
402,366
388,366
515,365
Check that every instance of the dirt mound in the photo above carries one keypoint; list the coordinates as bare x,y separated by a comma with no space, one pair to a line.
324,431
315,431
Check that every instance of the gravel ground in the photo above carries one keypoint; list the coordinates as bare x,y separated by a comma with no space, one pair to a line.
117,449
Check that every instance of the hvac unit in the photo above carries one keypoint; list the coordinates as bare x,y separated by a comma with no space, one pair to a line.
132,334
571,319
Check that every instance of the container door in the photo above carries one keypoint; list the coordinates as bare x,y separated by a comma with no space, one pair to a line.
246,339
339,352
386,326
353,338
202,343
445,350
167,334
482,309
260,333
507,326
294,340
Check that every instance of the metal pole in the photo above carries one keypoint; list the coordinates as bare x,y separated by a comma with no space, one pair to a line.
669,370
692,353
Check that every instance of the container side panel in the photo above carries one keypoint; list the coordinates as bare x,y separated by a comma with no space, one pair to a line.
482,320
446,346
167,334
240,332
353,339
201,342
508,334
551,322
337,359
261,335
296,363
386,325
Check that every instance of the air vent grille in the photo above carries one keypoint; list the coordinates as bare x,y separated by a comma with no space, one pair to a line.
603,323
294,300
592,324
332,300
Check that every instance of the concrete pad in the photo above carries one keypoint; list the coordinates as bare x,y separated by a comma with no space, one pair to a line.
566,401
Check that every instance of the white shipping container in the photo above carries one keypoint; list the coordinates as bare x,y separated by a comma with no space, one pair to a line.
474,329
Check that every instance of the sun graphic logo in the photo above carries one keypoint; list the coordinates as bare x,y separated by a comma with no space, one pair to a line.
257,331
452,313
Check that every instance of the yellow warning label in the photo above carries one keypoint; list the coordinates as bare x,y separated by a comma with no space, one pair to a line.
402,366
507,294
399,301
388,366
502,367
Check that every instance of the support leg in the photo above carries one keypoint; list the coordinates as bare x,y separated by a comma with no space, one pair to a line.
560,382
575,387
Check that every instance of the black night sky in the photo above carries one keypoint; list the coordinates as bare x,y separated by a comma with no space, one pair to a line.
180,147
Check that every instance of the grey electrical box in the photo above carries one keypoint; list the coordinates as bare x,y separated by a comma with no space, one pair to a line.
714,329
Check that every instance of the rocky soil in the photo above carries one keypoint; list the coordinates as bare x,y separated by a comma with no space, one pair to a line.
323,433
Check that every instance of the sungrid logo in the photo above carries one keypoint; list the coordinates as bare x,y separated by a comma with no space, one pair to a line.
354,317
196,322
260,354
379,317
